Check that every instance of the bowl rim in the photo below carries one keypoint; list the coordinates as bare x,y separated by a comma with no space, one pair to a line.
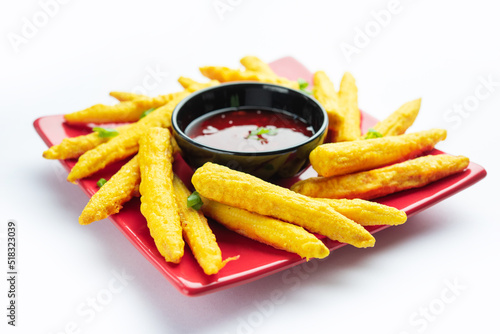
175,126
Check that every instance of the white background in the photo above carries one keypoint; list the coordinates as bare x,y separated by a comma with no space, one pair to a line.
437,50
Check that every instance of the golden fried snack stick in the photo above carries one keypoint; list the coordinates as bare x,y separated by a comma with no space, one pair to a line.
109,199
123,145
350,128
367,213
186,82
127,111
399,121
71,148
383,181
197,233
254,64
269,231
158,203
194,86
225,74
248,192
326,95
354,156
120,188
125,96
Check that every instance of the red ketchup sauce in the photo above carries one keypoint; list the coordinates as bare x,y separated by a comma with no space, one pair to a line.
253,130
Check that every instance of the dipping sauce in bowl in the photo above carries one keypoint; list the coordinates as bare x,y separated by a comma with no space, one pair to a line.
252,130
261,129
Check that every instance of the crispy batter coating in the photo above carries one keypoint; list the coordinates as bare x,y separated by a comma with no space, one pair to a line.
186,82
125,96
383,181
197,233
247,192
192,85
253,63
350,127
123,145
399,121
158,203
326,95
367,213
127,111
109,199
71,148
225,74
350,157
270,231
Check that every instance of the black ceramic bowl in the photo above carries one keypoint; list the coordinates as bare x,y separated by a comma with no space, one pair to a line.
284,162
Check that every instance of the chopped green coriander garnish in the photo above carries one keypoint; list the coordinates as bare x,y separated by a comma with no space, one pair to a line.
372,133
147,112
101,182
105,133
261,131
303,85
194,201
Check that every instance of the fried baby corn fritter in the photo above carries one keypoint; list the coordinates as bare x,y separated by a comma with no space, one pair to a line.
126,111
326,95
71,148
125,96
383,181
158,203
349,129
350,157
197,232
225,74
399,121
245,191
186,82
110,198
270,231
123,145
367,213
194,86
253,63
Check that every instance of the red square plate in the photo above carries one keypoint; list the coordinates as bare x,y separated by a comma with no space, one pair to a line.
256,260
